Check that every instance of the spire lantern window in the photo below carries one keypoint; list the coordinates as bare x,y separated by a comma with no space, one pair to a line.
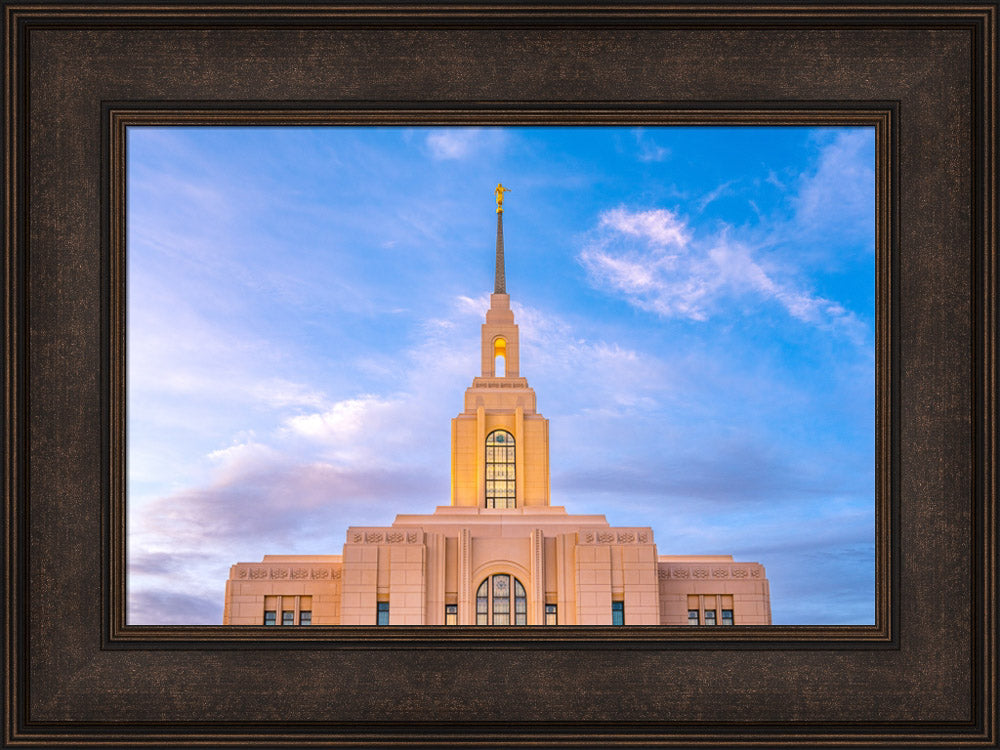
499,357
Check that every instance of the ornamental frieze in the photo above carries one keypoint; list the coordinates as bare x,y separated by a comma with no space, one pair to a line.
384,536
614,536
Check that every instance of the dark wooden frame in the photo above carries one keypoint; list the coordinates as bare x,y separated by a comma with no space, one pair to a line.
77,75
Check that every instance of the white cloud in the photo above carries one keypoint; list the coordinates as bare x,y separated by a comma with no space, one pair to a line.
659,227
459,143
650,150
839,194
655,261
364,431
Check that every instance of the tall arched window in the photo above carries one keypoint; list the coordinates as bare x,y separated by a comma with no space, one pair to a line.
500,470
500,357
494,595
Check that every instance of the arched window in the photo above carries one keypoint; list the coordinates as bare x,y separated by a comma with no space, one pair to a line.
494,595
500,470
500,357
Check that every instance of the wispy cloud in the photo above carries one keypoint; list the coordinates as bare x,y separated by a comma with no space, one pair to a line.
649,149
838,194
161,607
654,259
263,501
461,143
714,195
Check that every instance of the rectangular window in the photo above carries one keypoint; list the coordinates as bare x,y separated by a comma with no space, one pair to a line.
451,614
270,617
727,617
617,613
693,618
551,616
383,614
710,617
287,617
305,617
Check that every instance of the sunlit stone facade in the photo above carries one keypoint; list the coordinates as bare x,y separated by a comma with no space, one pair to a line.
499,554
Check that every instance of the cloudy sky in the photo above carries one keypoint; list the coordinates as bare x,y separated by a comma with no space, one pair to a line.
696,308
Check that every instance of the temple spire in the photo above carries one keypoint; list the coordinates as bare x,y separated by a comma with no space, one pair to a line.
500,284
500,287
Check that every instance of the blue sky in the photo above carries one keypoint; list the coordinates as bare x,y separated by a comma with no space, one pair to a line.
696,308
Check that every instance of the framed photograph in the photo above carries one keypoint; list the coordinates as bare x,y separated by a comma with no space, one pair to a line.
693,355
105,101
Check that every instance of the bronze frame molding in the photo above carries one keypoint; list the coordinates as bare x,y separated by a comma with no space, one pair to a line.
64,310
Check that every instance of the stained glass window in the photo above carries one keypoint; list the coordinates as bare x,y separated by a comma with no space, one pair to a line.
483,603
501,600
520,604
493,601
500,480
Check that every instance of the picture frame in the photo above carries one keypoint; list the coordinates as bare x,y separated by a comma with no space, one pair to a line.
79,75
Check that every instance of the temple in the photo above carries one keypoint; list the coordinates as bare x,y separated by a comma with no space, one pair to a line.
500,553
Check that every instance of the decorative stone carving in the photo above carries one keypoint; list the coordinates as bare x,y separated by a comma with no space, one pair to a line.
357,537
588,536
256,573
320,572
739,572
605,537
336,573
373,537
720,573
279,572
755,572
701,572
663,573
241,572
411,537
643,537
300,573
680,573
626,537
394,537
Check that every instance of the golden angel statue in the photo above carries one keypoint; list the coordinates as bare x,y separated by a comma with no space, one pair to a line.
499,194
